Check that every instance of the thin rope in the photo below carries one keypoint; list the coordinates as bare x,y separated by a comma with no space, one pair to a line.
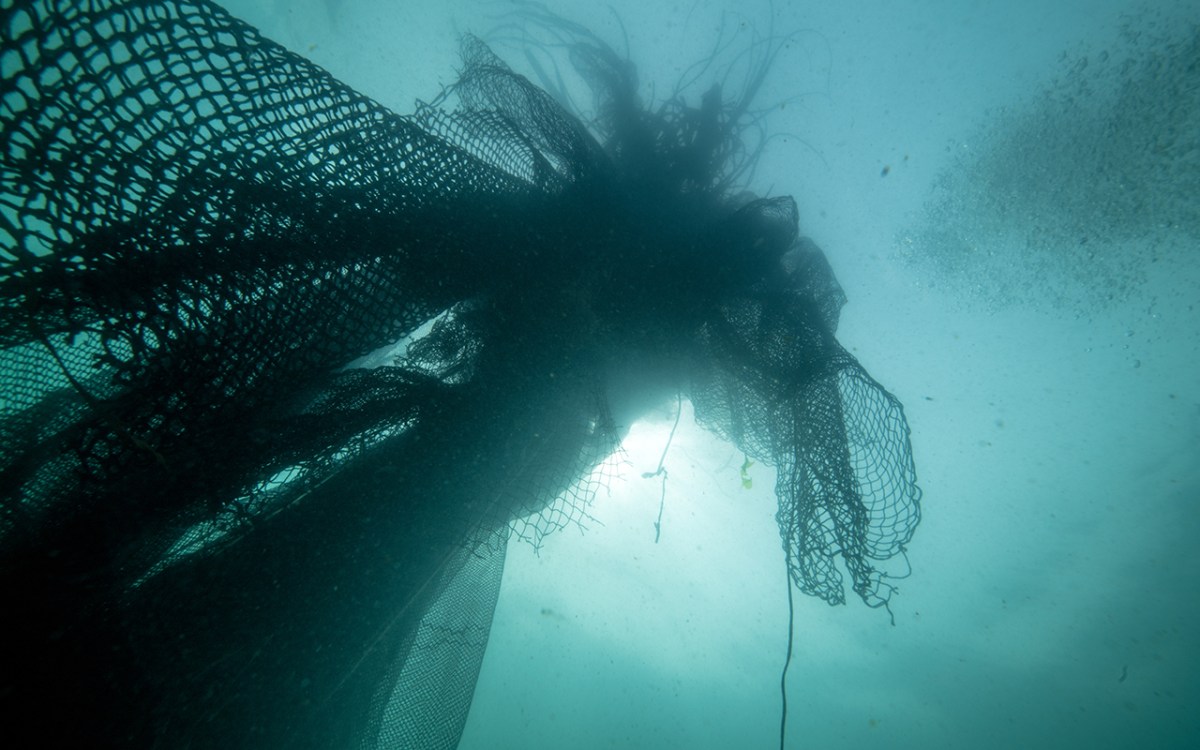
661,470
788,661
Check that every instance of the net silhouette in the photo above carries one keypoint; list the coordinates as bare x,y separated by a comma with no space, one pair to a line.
221,526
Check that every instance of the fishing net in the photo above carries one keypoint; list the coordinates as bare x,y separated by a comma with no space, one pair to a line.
282,371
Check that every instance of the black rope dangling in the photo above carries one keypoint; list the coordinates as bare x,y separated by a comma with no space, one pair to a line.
788,660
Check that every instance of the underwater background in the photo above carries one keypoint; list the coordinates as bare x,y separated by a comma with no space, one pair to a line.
1008,192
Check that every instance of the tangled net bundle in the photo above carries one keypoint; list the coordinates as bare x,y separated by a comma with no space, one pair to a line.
228,518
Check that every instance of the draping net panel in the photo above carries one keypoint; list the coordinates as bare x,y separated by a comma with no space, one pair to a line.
214,532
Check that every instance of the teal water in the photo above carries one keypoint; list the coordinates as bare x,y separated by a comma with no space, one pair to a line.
1053,395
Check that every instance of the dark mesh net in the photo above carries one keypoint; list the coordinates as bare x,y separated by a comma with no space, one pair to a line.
231,515
791,396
